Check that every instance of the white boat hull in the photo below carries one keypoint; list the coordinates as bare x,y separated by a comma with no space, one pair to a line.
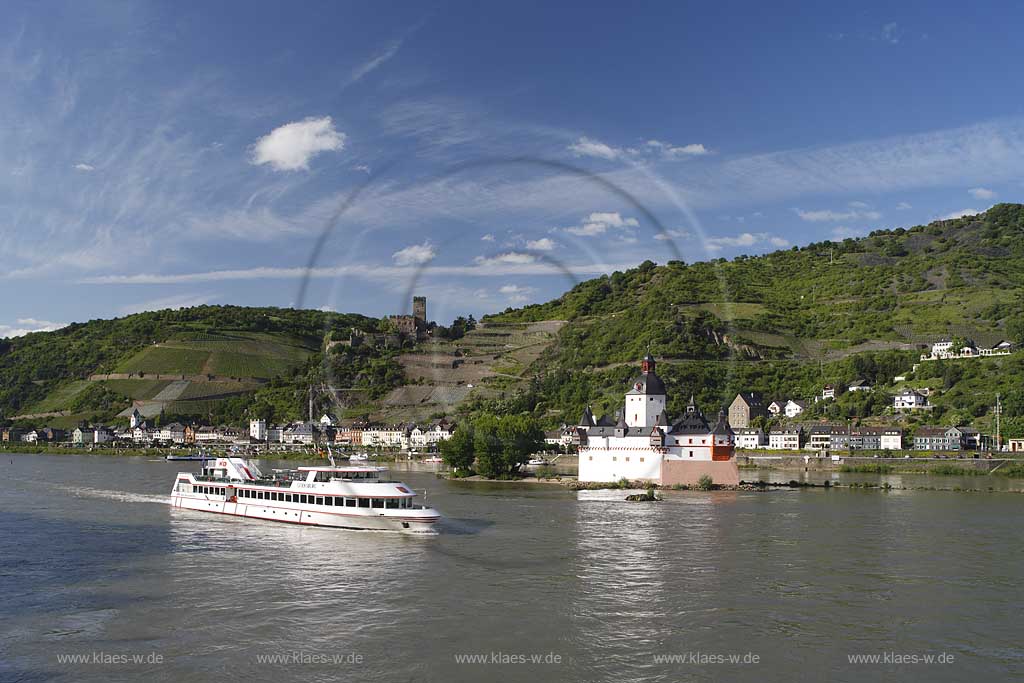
358,518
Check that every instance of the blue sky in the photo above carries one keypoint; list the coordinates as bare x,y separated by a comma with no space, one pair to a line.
168,154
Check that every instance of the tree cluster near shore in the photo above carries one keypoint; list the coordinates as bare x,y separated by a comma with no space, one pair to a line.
493,446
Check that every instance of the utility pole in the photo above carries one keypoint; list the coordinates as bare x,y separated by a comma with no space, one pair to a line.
998,411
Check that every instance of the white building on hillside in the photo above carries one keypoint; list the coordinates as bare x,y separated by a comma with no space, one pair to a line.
794,408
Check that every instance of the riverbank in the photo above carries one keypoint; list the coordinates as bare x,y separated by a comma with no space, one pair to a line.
918,464
57,449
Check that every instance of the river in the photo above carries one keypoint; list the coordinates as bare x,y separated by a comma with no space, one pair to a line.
531,583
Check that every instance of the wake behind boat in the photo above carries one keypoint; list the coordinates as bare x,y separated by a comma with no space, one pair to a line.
344,497
200,457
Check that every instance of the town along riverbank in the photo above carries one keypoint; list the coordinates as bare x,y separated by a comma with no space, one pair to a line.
916,463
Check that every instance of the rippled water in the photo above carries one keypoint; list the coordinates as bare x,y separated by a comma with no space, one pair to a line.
93,560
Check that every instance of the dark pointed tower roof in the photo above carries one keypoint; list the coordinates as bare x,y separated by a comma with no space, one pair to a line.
588,418
722,426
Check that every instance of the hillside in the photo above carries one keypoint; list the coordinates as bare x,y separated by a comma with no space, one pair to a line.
783,324
204,361
787,322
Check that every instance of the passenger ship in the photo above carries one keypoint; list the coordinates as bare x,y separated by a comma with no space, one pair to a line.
344,497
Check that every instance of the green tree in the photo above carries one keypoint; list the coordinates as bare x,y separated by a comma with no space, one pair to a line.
487,446
458,451
521,437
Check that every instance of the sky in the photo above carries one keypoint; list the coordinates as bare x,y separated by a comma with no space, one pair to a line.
347,155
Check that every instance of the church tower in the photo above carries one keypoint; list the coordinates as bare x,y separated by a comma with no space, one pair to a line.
646,399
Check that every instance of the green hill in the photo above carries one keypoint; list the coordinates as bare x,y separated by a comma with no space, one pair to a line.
209,360
787,322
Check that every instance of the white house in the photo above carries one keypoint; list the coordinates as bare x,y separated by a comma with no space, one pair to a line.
908,399
777,407
136,419
82,435
784,439
750,438
794,408
173,433
892,440
859,385
829,391
641,443
258,429
326,420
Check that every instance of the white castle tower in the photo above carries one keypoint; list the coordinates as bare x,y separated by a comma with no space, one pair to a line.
645,401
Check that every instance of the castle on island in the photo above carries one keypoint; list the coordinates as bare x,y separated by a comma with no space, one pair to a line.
642,443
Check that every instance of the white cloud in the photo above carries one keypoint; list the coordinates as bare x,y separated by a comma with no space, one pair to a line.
488,237
960,214
586,147
746,239
981,193
503,265
832,216
670,235
362,167
589,147
891,33
903,206
515,293
858,205
415,254
291,146
173,302
670,151
543,244
507,258
841,232
84,167
25,326
599,222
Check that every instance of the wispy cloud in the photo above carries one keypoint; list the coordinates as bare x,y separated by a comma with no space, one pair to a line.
377,61
84,167
903,206
506,258
599,223
981,193
670,151
827,215
23,326
173,302
744,240
960,214
516,293
502,265
657,149
671,234
543,244
291,146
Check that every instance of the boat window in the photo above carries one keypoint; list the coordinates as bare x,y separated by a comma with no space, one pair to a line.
392,503
319,500
328,500
304,499
378,502
364,502
350,502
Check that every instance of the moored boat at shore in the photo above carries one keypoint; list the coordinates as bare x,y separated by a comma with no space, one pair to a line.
343,497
